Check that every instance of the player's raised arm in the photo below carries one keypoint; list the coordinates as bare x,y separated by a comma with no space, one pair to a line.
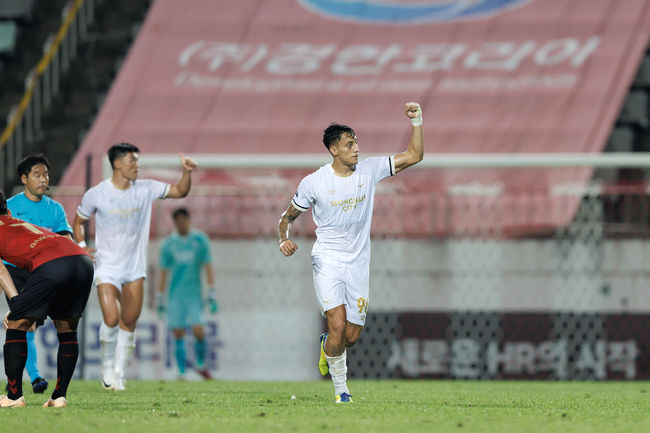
287,246
415,152
182,188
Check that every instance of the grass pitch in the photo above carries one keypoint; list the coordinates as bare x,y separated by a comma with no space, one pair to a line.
379,406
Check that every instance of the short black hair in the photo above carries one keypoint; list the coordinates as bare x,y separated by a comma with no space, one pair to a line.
25,166
3,204
333,133
118,150
180,211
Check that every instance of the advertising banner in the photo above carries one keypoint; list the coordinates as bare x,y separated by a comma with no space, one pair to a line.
266,77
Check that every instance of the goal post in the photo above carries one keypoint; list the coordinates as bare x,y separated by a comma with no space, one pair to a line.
441,160
484,266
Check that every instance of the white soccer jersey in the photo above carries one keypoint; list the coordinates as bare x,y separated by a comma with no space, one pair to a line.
342,208
122,222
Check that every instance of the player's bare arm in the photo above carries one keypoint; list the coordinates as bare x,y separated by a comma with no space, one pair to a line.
287,246
209,275
78,234
182,188
6,282
78,228
162,281
415,151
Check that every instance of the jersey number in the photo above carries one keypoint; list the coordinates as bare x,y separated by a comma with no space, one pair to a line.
363,305
32,228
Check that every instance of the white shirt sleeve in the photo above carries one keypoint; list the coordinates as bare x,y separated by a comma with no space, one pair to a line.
380,167
88,205
156,188
304,196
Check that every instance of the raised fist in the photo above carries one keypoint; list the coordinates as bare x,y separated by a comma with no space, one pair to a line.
413,112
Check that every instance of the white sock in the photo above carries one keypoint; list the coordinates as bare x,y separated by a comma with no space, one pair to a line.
339,372
123,351
107,341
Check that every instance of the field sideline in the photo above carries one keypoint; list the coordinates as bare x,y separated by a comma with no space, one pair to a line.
379,406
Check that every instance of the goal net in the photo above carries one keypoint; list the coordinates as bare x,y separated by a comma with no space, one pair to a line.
483,266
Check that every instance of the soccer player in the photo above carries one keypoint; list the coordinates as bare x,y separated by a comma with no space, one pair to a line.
183,255
58,285
122,205
33,206
341,196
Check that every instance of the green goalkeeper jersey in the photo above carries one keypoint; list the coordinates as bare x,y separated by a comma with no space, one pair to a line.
183,257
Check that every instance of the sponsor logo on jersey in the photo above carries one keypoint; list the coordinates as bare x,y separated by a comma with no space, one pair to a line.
125,213
408,11
348,204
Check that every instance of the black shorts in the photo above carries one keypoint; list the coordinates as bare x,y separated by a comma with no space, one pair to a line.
58,288
19,277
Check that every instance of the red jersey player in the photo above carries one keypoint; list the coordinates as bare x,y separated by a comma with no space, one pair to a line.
60,279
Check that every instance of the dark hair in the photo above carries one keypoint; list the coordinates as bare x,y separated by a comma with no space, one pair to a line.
25,166
3,204
333,133
180,211
118,150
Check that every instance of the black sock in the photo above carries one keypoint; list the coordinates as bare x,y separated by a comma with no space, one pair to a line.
66,360
15,357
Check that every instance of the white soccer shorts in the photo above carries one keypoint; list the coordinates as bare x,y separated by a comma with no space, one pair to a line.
115,278
340,284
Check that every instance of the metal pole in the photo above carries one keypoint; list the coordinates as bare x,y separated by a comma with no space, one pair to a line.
36,104
64,48
28,118
11,143
82,323
18,144
29,110
47,76
431,160
83,24
90,11
56,65
72,31
5,157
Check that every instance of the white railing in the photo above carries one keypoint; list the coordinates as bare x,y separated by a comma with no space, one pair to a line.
438,160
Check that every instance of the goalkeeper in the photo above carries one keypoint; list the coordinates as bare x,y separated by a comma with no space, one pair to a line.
182,256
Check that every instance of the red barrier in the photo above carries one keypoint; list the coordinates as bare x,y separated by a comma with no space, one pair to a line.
216,76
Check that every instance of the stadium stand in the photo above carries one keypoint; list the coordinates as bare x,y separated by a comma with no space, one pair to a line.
479,100
64,122
22,10
8,32
531,291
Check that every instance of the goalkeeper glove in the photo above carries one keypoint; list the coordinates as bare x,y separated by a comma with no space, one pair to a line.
213,304
161,308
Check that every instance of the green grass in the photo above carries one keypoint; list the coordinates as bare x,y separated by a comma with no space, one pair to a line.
379,406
